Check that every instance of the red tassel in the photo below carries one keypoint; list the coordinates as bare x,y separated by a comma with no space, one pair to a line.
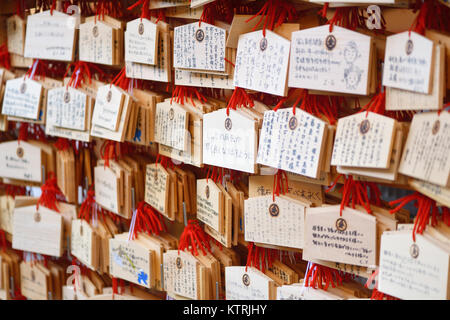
4,57
356,191
147,220
109,150
280,184
378,295
3,240
239,98
192,237
23,132
50,193
425,207
62,144
432,15
321,277
258,257
274,13
182,93
88,206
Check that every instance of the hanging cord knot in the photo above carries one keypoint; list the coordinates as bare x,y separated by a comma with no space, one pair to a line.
182,93
321,277
346,17
50,193
239,98
81,71
89,206
446,215
259,258
3,240
121,81
145,219
317,105
356,192
274,13
62,144
164,161
194,237
13,191
37,132
432,15
111,8
110,150
425,206
23,132
216,174
280,184
144,9
4,57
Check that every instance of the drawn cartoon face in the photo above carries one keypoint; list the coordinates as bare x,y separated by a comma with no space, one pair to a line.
350,52
352,77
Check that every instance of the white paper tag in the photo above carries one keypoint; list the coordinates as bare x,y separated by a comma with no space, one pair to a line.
20,161
66,107
407,62
280,222
50,37
108,107
22,98
141,39
246,285
262,62
350,238
171,122
291,142
337,61
413,270
363,141
199,47
96,42
426,153
229,142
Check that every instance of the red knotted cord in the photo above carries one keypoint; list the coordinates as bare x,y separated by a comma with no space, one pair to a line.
50,193
3,240
147,220
321,277
182,93
432,15
425,207
4,57
62,144
446,215
280,184
239,98
258,257
378,295
88,207
13,191
316,105
356,192
109,151
274,13
23,132
216,174
144,9
108,7
81,71
192,237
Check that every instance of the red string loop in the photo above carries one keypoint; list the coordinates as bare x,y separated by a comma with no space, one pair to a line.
50,193
426,207
321,277
194,237
274,13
